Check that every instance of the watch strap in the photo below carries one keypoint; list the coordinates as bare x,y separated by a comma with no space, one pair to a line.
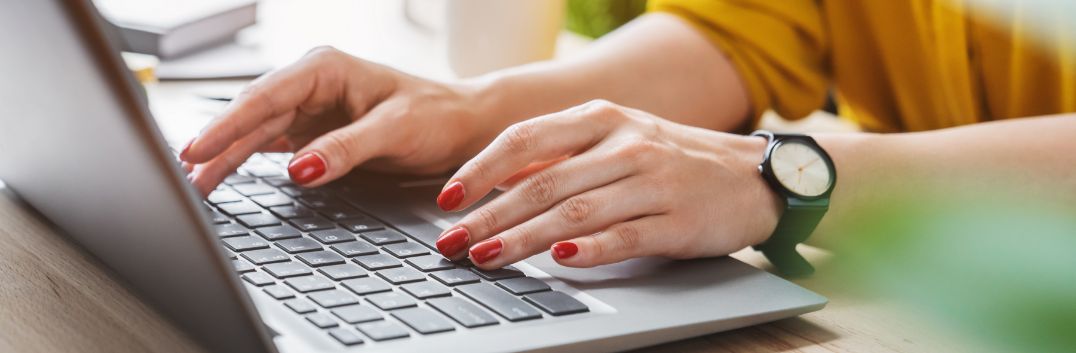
798,221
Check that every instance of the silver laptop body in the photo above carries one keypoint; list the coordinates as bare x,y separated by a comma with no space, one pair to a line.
78,144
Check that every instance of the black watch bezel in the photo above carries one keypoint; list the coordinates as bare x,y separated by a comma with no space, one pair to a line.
766,169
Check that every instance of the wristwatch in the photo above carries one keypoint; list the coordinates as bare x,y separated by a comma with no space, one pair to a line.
801,172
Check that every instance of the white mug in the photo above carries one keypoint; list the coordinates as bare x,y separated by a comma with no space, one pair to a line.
486,35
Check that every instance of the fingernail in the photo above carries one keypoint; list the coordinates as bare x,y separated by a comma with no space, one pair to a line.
564,250
451,196
486,250
186,148
453,241
306,168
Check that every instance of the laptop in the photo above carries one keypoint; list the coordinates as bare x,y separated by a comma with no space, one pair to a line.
265,266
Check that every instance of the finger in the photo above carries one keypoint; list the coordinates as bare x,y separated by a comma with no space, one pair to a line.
209,174
280,145
311,85
335,153
577,216
534,195
528,171
647,236
540,139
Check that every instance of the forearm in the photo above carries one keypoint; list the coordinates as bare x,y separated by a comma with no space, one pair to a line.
1028,157
658,64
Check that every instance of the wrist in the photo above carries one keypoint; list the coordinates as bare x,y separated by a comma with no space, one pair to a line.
489,102
771,205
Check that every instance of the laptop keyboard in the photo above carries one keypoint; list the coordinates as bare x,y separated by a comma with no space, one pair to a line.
353,276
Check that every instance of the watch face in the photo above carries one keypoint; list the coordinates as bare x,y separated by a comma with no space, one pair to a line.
800,168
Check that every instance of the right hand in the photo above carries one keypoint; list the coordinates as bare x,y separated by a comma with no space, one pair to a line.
336,112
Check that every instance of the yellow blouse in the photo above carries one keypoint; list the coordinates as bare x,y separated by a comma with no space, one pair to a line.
896,65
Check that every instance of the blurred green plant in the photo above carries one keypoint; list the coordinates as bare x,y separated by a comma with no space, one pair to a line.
998,270
595,18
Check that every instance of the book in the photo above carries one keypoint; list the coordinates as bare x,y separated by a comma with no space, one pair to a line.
170,29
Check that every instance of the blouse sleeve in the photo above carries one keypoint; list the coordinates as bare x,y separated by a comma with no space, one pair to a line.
779,48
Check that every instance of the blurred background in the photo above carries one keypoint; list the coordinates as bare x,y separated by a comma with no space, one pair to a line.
990,271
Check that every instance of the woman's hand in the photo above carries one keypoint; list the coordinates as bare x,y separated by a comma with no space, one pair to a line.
601,183
338,112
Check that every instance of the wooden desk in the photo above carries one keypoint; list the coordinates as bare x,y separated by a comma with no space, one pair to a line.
54,297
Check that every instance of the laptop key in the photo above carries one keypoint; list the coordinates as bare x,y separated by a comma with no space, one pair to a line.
556,303
223,196
426,290
219,218
333,298
401,275
239,208
278,232
322,320
498,274
354,314
377,262
258,279
242,266
384,236
506,305
523,285
278,292
355,248
430,263
240,244
314,200
366,285
339,212
287,269
238,179
279,181
320,258
455,277
258,220
383,330
300,306
310,224
345,336
342,271
230,230
289,212
423,320
298,245
265,256
408,249
365,224
251,189
333,236
307,284
272,200
391,301
463,312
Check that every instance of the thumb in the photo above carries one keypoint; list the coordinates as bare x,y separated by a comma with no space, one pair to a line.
335,153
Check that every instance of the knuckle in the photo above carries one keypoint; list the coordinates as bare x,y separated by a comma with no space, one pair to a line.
487,219
519,138
626,238
540,188
338,146
324,52
524,237
479,169
576,210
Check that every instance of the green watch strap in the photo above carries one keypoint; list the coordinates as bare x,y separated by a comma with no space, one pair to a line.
797,223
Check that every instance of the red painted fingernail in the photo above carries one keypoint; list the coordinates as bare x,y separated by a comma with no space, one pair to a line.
306,168
565,249
186,148
486,250
451,196
453,241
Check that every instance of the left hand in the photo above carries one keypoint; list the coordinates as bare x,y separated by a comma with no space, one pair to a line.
601,183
